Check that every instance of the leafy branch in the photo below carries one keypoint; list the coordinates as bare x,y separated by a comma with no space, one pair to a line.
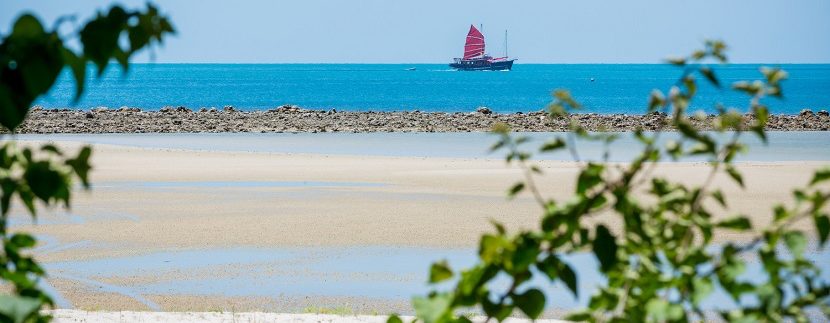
31,59
662,263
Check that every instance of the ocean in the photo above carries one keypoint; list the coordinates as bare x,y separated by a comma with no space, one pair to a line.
601,88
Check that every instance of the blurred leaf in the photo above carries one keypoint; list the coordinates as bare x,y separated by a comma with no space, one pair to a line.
18,309
501,128
718,195
394,318
432,309
739,223
820,175
822,227
78,67
81,166
735,175
440,271
710,75
46,182
552,145
702,289
22,240
568,276
656,100
796,242
676,61
590,177
531,302
515,189
605,248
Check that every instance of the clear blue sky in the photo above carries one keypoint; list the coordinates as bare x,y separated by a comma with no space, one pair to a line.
432,31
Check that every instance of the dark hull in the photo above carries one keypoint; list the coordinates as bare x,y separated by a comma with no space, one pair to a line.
483,65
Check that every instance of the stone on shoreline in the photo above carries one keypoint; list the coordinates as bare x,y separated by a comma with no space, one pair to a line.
289,118
484,110
806,112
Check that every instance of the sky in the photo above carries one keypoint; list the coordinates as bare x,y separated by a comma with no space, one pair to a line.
433,31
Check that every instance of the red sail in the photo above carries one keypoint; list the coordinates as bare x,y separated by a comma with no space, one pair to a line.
474,47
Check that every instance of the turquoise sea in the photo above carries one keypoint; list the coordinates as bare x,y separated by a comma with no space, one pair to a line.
602,88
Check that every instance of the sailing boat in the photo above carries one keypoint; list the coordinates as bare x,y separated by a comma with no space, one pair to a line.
475,59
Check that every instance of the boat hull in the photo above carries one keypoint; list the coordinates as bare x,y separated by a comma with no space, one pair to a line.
483,65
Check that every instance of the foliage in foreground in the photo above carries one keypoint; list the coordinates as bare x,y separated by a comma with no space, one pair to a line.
653,241
31,59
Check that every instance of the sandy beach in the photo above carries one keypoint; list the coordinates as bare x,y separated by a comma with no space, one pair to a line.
317,225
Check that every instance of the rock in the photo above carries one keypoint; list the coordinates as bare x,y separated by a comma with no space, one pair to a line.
288,108
37,108
203,109
824,113
183,109
166,109
332,111
484,110
806,113
99,109
228,108
89,115
212,110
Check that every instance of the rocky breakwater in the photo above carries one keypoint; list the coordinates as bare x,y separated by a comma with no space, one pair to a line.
295,119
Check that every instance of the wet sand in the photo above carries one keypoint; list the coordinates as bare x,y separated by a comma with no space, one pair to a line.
148,201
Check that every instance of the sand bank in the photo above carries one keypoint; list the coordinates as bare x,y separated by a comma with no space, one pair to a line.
147,202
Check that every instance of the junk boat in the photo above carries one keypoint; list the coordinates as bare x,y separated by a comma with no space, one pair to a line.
475,59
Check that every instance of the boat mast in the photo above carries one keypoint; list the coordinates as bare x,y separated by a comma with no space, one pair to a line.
505,43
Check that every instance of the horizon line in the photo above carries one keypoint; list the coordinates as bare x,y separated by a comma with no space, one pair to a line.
442,63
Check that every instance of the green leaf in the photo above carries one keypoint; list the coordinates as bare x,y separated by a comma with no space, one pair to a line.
823,227
498,311
515,189
702,288
440,271
18,308
557,269
45,182
531,302
710,75
605,248
735,175
552,145
656,100
394,318
821,175
432,309
718,195
578,316
22,240
739,223
568,276
590,177
81,166
78,67
679,61
27,26
796,242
